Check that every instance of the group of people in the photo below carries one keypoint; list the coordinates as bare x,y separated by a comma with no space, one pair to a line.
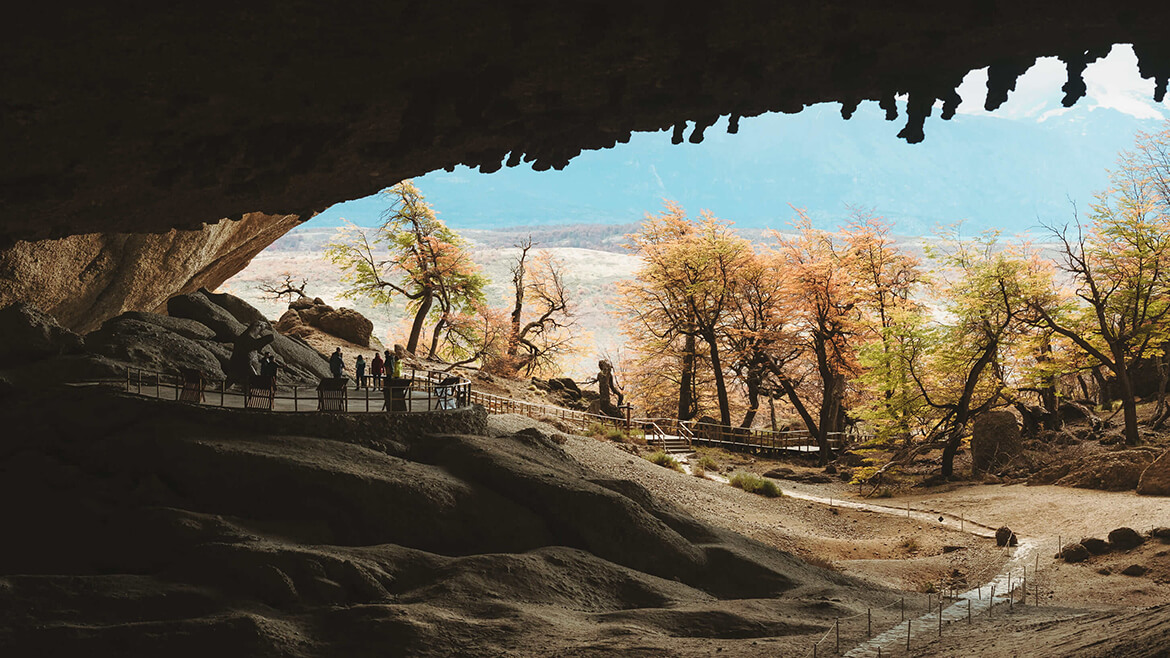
380,369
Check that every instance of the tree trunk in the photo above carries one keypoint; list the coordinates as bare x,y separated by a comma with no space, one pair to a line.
435,337
753,391
687,405
1128,405
424,307
950,449
720,384
772,410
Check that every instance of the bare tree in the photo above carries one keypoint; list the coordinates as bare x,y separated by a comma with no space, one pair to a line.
284,289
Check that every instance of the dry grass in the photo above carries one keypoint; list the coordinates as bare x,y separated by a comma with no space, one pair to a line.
752,483
664,460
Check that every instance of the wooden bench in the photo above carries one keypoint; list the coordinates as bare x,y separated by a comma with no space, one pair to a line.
260,392
193,385
333,395
396,393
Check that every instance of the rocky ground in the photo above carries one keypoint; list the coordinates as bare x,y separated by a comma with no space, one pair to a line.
134,531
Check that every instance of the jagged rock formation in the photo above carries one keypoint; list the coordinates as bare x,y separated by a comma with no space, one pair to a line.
84,280
304,314
136,123
192,531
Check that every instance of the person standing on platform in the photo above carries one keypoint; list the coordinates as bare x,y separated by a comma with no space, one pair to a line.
359,370
376,367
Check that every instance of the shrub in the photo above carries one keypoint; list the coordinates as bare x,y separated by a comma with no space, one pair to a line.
752,483
601,430
705,463
664,460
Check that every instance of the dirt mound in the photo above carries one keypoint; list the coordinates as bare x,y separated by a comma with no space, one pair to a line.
1155,480
187,533
1110,471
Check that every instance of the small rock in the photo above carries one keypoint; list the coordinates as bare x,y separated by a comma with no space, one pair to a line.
1135,570
1074,553
1125,538
1104,571
1005,537
952,549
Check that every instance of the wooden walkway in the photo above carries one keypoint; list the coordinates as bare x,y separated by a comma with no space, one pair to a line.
668,433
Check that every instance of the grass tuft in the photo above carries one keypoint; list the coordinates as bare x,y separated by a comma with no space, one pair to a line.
664,460
752,483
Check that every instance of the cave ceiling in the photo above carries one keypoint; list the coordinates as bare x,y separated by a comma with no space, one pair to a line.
144,116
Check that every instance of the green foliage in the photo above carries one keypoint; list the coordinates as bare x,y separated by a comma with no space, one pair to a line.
752,483
664,460
414,256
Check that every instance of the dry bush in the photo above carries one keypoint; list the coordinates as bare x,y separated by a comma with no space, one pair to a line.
664,460
752,483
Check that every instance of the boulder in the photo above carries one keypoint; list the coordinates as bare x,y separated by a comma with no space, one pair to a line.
1095,546
298,357
1005,537
995,439
27,334
564,383
347,324
1155,479
182,326
1134,570
1162,533
241,310
1074,553
152,347
1125,538
196,306
344,323
1110,471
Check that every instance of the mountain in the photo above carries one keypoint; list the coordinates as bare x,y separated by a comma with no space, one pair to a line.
1006,173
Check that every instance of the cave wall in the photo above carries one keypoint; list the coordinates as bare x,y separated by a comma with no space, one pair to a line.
83,280
130,117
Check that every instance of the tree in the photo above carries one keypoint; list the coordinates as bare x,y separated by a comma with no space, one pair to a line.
684,289
286,288
818,277
957,361
885,279
1120,268
414,255
542,317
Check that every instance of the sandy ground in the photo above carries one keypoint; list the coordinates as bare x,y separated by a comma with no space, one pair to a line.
1089,608
886,550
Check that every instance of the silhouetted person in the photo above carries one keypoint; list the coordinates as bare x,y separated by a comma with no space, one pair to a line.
359,369
268,367
376,368
336,363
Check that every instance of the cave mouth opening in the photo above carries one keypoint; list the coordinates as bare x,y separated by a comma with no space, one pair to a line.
1011,168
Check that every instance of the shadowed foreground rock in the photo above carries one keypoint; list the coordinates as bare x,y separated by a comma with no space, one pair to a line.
148,528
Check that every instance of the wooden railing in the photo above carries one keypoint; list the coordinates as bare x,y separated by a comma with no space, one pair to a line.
427,392
658,430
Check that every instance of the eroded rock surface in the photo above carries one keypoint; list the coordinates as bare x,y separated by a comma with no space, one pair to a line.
218,535
84,280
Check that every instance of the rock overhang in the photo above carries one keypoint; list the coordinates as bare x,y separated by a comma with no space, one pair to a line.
133,117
